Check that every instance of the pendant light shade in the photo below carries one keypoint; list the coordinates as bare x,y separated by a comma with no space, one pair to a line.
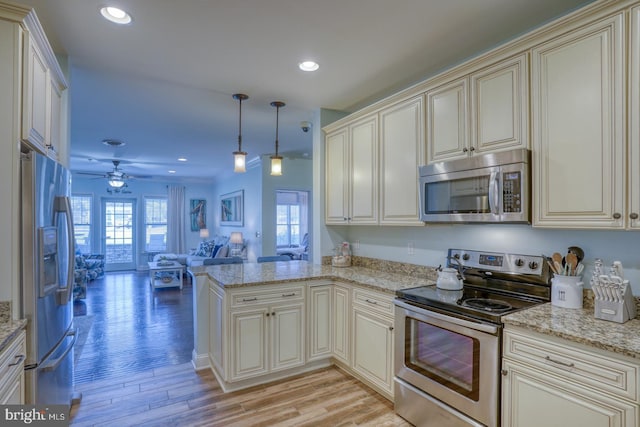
276,160
239,157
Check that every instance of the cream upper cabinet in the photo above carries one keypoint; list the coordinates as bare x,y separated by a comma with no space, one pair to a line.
36,95
483,112
578,108
447,121
500,106
337,177
352,174
43,90
634,121
401,152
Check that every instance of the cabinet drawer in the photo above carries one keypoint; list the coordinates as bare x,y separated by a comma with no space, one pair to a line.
12,360
597,369
377,301
268,296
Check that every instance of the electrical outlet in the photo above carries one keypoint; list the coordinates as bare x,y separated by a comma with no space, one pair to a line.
410,248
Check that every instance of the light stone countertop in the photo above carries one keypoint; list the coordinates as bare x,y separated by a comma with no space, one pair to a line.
579,325
254,274
9,330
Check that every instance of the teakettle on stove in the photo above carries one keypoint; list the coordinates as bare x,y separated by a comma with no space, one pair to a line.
449,279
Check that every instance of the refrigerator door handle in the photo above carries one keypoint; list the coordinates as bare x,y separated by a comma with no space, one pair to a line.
63,204
52,365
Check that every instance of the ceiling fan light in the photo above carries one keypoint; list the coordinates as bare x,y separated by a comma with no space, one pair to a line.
116,182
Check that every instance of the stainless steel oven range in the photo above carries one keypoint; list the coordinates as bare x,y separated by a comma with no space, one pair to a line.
448,343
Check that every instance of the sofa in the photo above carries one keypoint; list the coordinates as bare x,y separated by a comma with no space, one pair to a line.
216,248
86,269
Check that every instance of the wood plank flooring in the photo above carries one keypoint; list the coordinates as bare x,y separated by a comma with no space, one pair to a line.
166,391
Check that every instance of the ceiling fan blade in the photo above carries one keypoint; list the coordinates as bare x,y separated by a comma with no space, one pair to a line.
101,175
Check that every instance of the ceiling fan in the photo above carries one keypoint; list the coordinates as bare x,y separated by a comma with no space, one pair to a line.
116,179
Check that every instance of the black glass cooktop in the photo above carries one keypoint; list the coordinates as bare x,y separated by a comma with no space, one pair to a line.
472,302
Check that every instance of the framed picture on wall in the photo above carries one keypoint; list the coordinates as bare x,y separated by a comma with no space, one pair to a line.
198,209
232,209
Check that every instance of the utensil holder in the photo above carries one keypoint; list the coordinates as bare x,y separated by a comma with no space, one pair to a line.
566,291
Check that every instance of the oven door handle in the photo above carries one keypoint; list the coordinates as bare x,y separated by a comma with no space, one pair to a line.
482,327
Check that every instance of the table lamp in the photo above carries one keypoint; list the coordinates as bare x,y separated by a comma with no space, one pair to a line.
204,234
236,240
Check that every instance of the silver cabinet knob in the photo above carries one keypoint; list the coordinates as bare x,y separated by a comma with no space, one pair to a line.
617,215
464,150
472,148
633,215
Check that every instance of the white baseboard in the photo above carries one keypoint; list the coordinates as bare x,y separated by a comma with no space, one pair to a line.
199,361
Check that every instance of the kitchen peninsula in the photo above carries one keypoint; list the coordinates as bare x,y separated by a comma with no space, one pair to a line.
259,322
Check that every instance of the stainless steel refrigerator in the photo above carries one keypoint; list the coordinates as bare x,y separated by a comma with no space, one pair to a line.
47,279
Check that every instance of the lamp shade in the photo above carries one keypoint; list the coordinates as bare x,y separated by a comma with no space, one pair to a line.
236,238
276,165
204,233
239,164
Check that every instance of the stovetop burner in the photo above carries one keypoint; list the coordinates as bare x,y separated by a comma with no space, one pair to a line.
487,304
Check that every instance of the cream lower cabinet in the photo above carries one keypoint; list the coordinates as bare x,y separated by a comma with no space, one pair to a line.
12,385
372,329
341,325
255,331
319,321
578,128
552,382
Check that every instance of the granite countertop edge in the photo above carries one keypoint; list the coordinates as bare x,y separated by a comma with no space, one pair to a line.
580,326
9,330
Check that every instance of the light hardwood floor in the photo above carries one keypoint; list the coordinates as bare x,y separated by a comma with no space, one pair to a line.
179,396
119,391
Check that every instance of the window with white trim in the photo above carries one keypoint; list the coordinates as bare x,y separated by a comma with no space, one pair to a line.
155,224
81,210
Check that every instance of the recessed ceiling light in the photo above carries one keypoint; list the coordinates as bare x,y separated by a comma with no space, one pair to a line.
182,159
308,66
116,15
171,171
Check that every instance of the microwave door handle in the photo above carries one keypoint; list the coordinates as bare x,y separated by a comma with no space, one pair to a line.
493,193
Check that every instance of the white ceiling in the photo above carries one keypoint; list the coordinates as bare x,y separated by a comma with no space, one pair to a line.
163,84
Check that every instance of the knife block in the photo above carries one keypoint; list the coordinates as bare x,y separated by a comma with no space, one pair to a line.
616,311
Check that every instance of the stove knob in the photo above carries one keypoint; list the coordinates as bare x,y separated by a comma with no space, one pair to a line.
456,256
519,262
533,265
466,257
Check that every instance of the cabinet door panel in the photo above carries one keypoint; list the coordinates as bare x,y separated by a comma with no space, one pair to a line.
319,321
500,101
216,330
35,97
578,128
341,336
373,349
248,338
364,176
532,400
287,338
447,136
401,148
336,173
634,121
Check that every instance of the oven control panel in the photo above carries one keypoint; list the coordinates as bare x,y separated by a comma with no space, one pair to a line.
496,261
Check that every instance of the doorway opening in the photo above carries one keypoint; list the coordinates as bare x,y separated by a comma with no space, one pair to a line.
119,219
292,223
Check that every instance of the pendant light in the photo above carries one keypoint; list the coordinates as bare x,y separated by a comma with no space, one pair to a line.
240,156
276,160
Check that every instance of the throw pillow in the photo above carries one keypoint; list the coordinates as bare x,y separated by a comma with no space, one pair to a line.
223,252
205,249
215,250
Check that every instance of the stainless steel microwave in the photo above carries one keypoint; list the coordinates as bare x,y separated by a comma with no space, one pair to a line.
493,187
